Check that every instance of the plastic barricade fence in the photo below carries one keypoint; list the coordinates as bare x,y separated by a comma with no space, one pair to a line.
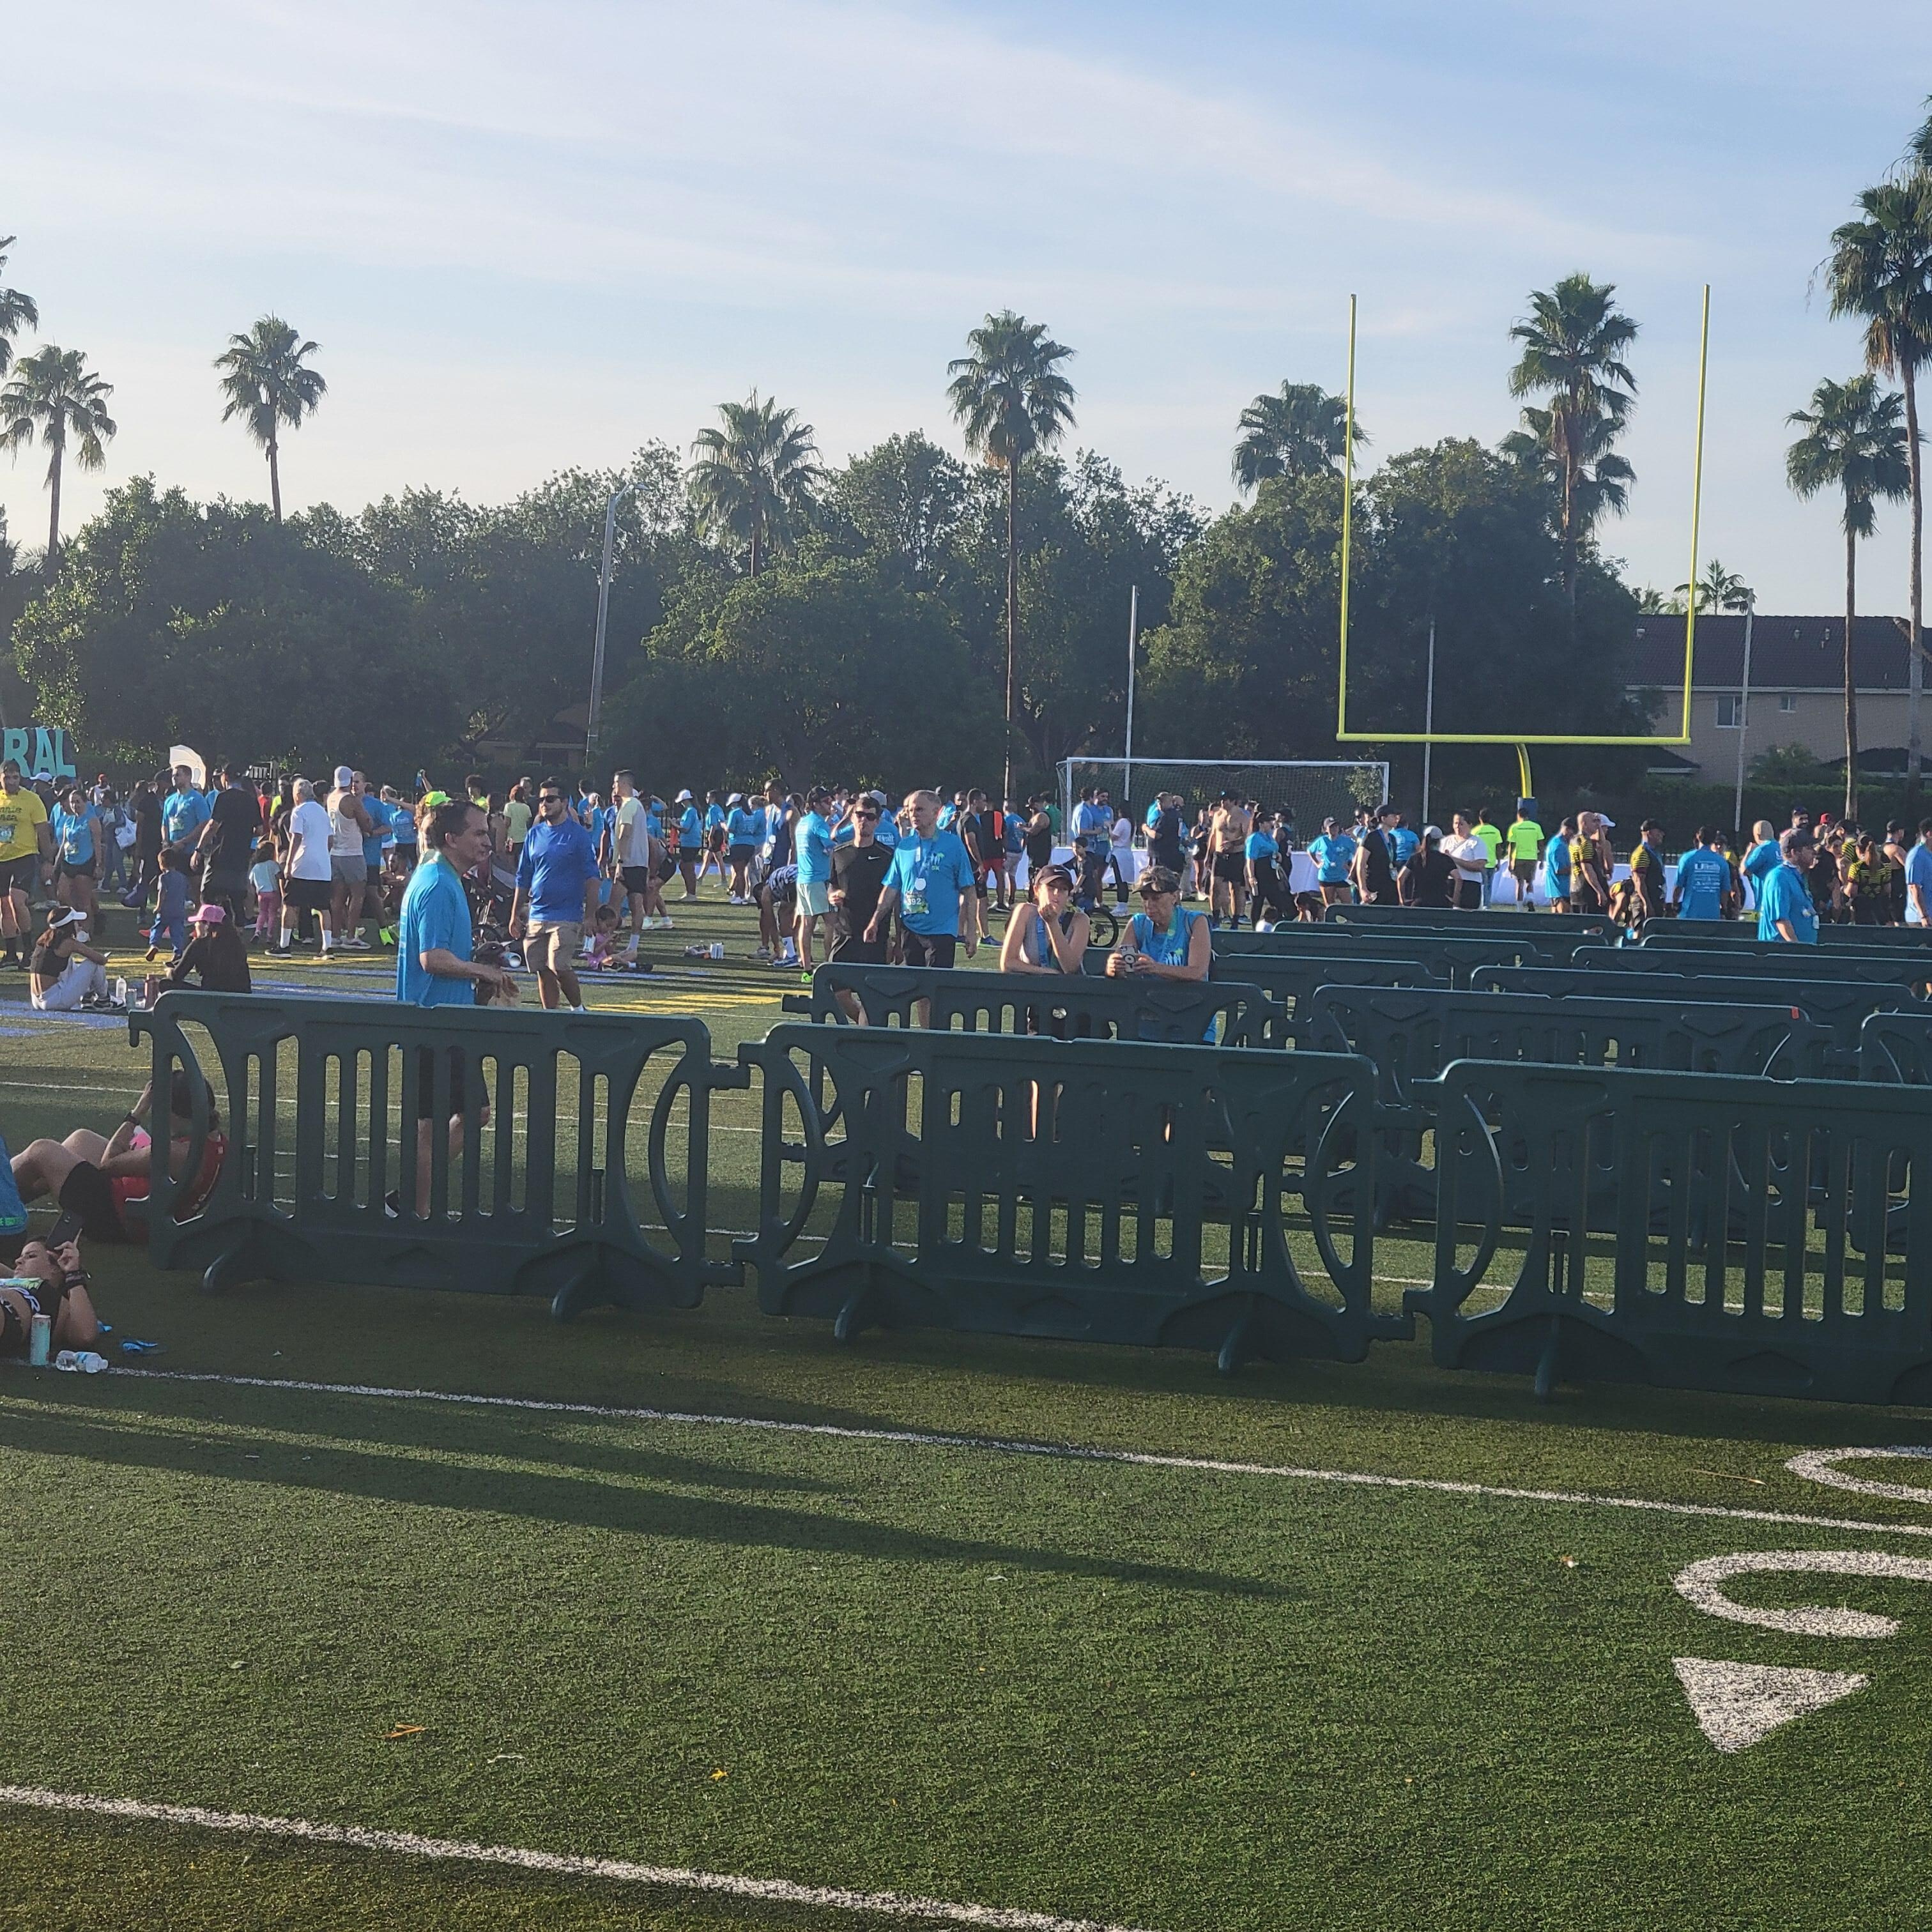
1449,961
566,1154
1762,1274
1775,962
1557,932
1743,932
1840,1006
1411,1035
1177,1195
1062,1006
1896,1047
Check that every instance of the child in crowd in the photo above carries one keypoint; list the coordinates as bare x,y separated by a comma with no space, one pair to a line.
265,876
170,904
597,948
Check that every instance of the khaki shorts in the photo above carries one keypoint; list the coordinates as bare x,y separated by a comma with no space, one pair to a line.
553,943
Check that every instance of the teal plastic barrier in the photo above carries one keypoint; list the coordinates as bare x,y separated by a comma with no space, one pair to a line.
1162,1196
1761,1276
587,1184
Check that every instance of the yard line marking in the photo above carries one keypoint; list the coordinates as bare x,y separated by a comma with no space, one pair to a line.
564,1864
1002,1445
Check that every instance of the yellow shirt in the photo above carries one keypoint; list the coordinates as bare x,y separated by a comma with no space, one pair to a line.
1526,840
22,815
1491,838
517,820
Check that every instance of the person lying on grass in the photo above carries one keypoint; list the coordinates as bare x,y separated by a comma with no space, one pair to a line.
50,1282
105,1181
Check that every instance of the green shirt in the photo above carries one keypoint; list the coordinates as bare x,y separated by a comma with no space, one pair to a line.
1491,838
1525,840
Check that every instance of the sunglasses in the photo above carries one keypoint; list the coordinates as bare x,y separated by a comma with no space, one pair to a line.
550,798
869,815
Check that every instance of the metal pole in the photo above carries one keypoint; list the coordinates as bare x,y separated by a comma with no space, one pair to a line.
603,615
1133,631
1744,717
1428,722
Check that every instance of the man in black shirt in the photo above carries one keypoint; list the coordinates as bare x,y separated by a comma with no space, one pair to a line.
227,843
1375,865
1164,836
859,870
146,806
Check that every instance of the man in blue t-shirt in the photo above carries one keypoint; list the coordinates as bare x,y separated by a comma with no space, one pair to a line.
1092,831
1763,858
1919,875
185,810
930,873
435,967
556,888
1703,878
812,843
1785,909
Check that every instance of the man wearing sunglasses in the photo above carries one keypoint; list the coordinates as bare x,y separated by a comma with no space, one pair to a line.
556,896
858,868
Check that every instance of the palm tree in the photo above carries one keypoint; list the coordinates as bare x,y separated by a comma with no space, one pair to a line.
1918,150
1854,439
267,385
1298,432
1601,484
1880,268
753,478
1718,589
16,312
1008,394
53,395
1573,348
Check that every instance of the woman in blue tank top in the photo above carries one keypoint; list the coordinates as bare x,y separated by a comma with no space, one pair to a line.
1047,933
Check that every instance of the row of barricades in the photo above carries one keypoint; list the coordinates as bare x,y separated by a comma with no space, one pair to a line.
1650,1189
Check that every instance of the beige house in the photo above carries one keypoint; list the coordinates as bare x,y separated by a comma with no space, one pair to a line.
1797,694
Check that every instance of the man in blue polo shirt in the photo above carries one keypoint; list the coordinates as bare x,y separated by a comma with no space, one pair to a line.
1785,909
930,873
185,810
557,887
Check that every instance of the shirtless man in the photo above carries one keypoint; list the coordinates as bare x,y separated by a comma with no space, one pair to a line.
1228,825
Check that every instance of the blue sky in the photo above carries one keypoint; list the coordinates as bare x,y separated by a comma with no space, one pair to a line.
532,236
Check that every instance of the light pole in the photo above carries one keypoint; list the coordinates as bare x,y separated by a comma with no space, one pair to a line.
603,615
1743,714
1133,631
1428,719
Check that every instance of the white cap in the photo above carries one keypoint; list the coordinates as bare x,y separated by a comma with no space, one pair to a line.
684,798
1608,824
345,776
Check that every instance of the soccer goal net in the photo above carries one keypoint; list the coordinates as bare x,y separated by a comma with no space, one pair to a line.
1309,789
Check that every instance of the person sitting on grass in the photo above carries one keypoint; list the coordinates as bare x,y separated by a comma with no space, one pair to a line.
602,943
105,1181
1048,933
65,973
216,960
50,1282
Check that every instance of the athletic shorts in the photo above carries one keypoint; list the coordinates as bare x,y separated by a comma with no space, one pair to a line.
1523,870
459,1080
741,855
1232,867
87,1193
20,875
857,951
309,894
348,868
637,879
931,948
1469,895
814,897
63,870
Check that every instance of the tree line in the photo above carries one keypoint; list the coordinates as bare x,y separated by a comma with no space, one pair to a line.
907,615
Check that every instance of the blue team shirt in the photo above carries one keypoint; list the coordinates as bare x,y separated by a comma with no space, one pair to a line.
557,863
1402,842
930,876
1333,857
436,912
1093,826
184,813
691,826
813,842
745,828
1703,878
1760,859
1261,848
74,832
1918,871
1786,896
380,815
714,817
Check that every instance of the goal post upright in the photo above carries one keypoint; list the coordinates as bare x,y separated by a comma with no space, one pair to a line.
1521,740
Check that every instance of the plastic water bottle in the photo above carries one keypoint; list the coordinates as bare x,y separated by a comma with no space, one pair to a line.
39,1341
120,992
718,949
80,1361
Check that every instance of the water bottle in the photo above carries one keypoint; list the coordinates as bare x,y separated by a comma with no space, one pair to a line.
718,949
120,992
80,1361
40,1341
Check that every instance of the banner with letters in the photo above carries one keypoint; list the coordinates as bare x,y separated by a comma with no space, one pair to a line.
40,751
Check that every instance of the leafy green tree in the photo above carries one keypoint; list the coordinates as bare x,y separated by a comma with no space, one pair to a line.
216,624
830,670
17,312
1718,589
1600,485
1008,394
1880,270
1297,431
1854,442
54,396
267,383
908,501
753,478
1574,340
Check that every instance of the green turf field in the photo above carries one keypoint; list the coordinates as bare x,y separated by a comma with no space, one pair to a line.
1154,1694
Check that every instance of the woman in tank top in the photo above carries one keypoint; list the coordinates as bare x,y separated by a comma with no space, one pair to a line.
1047,933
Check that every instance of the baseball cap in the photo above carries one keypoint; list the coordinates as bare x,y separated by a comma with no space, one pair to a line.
209,915
345,775
684,798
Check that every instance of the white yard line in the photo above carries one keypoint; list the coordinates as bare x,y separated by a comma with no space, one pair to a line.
1057,1451
562,1865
